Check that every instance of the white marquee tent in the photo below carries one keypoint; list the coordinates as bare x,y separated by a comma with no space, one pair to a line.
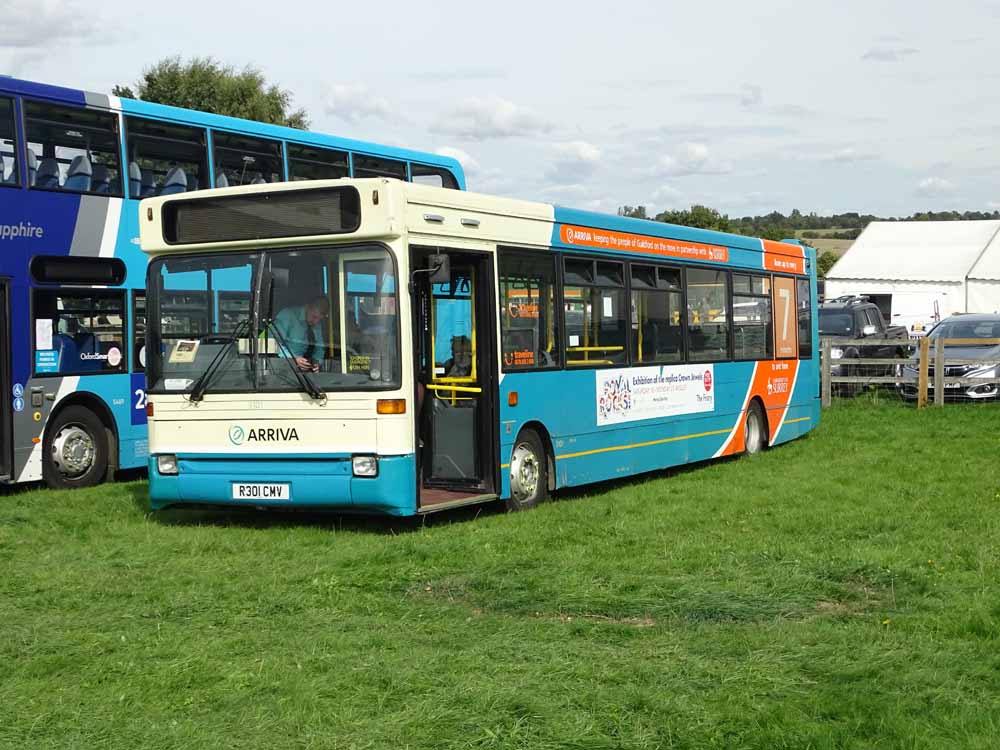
919,270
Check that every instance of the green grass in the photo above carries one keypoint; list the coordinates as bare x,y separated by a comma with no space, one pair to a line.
840,591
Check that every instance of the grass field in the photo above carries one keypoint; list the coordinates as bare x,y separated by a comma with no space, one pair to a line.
837,592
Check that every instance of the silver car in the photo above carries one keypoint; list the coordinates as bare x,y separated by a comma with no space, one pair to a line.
970,326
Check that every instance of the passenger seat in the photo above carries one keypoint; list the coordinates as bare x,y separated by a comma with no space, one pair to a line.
100,181
221,180
79,176
32,167
48,175
176,182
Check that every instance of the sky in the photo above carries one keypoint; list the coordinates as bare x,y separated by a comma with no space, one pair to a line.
875,106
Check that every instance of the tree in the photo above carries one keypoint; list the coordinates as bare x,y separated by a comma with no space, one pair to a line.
702,217
824,263
205,84
636,212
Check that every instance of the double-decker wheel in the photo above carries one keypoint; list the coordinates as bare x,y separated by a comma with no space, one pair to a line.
75,449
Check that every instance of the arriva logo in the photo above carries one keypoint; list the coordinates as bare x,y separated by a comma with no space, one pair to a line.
238,435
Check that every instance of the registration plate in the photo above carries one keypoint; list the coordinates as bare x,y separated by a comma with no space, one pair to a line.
262,491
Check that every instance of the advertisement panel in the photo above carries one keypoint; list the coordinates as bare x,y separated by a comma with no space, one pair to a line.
637,393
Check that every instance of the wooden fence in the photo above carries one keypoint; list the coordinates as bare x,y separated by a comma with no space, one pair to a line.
931,362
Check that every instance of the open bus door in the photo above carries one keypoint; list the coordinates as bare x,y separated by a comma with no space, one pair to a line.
456,381
8,396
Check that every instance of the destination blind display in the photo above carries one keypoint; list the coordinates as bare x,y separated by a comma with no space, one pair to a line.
264,215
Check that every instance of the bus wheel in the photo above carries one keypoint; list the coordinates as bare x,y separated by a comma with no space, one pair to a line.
529,481
75,451
754,429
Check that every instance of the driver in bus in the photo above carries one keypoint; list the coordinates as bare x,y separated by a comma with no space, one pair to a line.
302,328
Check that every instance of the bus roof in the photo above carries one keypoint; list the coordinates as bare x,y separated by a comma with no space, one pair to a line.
435,213
139,108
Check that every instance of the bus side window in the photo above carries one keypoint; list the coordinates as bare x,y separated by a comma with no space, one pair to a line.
245,160
164,158
376,166
804,308
657,315
8,149
422,174
79,333
594,309
139,330
752,317
708,321
311,163
76,149
528,333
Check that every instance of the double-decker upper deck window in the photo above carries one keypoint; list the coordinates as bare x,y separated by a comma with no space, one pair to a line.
707,315
528,332
244,160
311,163
8,149
433,176
657,315
804,315
164,159
73,149
595,312
752,317
376,166
79,333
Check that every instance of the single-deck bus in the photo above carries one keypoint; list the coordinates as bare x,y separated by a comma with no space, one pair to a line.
408,349
73,167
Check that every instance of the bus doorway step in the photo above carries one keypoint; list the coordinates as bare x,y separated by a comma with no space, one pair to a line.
434,499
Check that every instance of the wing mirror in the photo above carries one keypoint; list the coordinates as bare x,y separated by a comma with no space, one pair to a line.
868,330
440,268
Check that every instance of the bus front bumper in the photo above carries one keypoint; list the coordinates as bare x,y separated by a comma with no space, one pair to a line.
301,483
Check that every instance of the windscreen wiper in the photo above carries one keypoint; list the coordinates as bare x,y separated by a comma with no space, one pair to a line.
201,384
304,380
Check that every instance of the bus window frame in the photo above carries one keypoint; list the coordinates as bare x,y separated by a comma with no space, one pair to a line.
214,148
289,159
116,118
812,317
682,270
434,169
138,367
729,314
769,297
77,289
206,179
558,315
18,144
627,317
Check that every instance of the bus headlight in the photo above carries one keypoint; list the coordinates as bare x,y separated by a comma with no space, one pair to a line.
166,464
365,466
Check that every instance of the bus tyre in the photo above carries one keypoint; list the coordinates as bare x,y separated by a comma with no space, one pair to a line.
75,450
754,430
529,481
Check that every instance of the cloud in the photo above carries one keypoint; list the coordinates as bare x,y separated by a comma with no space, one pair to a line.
575,161
935,187
690,159
467,74
480,118
848,155
889,54
470,165
355,102
35,24
751,96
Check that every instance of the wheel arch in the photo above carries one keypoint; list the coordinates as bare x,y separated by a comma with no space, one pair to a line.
99,407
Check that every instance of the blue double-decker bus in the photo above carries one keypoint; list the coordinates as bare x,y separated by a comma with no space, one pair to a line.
73,167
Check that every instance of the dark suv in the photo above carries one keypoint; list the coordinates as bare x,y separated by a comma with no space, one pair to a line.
852,318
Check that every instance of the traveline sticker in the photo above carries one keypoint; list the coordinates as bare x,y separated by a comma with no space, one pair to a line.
651,392
640,243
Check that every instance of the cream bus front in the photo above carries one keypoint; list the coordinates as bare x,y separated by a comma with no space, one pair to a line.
277,377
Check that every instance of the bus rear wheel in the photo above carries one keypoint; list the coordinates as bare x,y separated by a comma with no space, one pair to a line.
529,480
75,450
754,430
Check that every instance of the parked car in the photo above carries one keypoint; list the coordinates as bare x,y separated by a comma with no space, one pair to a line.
852,318
970,326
